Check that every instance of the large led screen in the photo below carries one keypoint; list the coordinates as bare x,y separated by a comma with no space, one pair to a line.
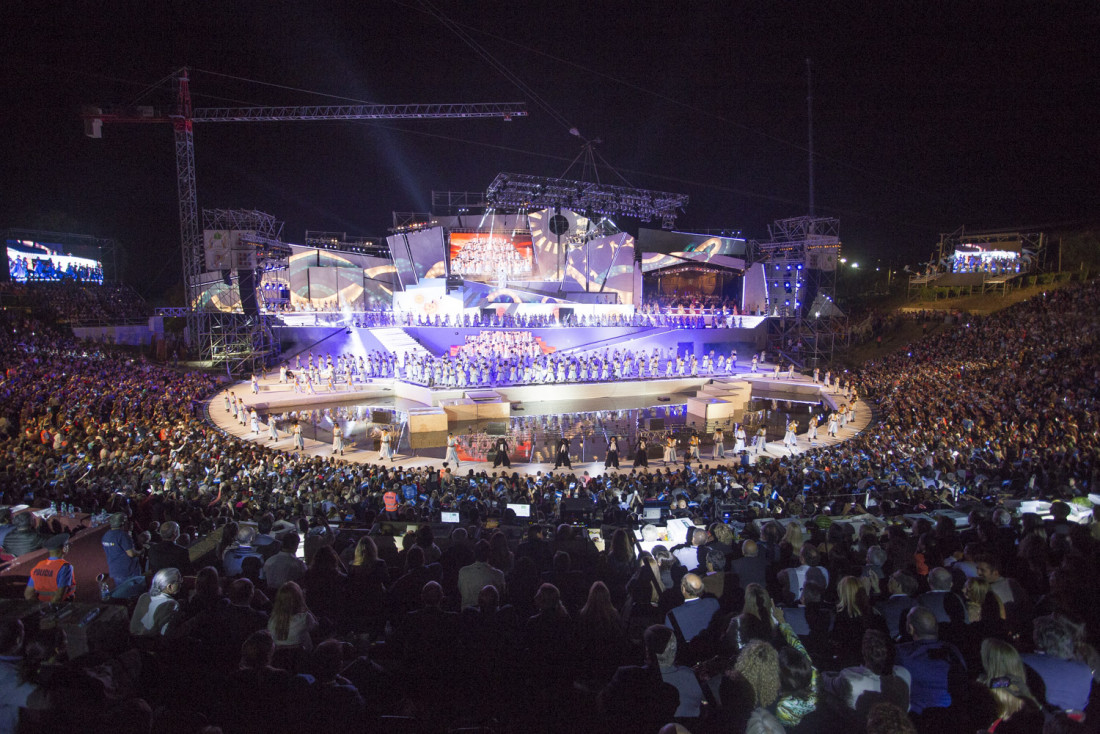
30,261
491,256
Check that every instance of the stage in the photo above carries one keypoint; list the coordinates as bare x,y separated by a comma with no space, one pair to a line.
530,415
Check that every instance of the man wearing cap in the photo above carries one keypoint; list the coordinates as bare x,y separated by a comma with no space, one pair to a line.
123,565
22,538
52,579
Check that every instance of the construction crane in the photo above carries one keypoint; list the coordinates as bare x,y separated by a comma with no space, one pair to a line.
184,116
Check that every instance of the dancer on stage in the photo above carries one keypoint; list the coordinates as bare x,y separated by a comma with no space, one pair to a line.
811,431
386,452
670,449
719,444
641,457
612,459
693,448
502,454
452,449
761,439
739,439
755,364
337,439
790,438
299,442
833,424
272,431
254,422
562,453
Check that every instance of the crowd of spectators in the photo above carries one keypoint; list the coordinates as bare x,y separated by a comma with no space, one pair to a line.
77,303
814,626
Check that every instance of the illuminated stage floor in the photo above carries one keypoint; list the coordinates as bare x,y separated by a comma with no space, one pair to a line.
620,403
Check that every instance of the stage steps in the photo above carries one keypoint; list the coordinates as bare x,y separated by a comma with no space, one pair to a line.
612,341
398,342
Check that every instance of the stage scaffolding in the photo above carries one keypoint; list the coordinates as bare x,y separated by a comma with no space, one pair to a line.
238,341
800,259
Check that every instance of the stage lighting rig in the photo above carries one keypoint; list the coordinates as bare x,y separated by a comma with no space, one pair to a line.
515,190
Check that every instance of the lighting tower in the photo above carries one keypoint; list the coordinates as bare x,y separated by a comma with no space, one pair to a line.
183,117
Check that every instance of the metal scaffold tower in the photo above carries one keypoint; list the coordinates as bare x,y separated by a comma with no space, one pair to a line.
805,326
200,323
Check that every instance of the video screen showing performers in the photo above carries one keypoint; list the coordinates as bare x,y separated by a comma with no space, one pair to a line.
35,262
979,259
491,257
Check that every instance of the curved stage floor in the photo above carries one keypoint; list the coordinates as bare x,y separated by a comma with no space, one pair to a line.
281,398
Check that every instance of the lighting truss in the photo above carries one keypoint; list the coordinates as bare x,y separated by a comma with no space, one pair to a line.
522,191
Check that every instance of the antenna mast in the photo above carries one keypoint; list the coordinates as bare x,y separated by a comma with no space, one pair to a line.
810,130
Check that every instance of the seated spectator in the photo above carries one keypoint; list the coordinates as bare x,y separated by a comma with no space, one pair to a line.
257,695
157,610
695,614
941,600
285,565
752,683
472,578
234,555
599,639
797,687
751,568
638,698
291,620
326,585
1064,682
367,579
16,692
854,617
22,538
895,608
331,701
936,669
878,679
167,553
1002,702
1008,590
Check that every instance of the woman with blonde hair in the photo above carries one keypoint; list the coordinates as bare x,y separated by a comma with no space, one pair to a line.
854,616
1013,708
291,621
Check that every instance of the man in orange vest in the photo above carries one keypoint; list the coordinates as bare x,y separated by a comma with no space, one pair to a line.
389,502
52,579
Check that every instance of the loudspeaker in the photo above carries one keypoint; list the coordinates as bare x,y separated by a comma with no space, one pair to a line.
246,282
497,429
656,424
381,416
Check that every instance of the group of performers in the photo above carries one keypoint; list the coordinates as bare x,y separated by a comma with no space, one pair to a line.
491,255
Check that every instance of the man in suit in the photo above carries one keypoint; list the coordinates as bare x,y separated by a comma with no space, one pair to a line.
168,553
894,609
695,613
751,568
941,600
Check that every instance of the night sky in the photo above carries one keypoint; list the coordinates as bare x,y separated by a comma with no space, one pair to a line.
927,116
